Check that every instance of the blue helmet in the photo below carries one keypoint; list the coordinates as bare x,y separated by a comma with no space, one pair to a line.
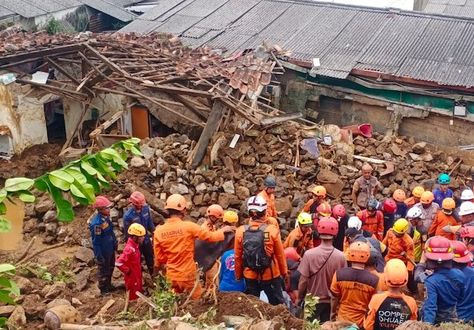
270,182
444,178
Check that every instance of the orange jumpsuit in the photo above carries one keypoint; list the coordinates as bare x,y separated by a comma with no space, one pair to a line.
273,221
410,201
440,220
273,247
271,207
302,242
382,286
389,310
397,245
173,244
374,224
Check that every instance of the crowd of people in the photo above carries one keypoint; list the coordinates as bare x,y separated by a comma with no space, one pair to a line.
365,267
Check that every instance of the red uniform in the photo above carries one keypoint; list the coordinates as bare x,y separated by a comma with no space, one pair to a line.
129,263
374,224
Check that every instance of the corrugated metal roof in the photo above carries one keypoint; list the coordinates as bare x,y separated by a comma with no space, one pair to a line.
5,12
403,44
162,7
462,8
22,8
48,6
109,8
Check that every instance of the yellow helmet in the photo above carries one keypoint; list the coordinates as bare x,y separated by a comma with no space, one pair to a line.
401,226
304,219
418,191
230,217
136,229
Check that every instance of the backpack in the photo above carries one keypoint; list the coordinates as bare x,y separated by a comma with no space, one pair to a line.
254,255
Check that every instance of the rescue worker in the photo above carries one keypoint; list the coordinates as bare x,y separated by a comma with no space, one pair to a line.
399,197
466,215
268,193
444,285
376,262
301,237
429,209
399,244
293,260
227,281
443,190
317,269
140,213
414,217
372,218
354,230
129,262
319,196
174,246
259,254
391,308
388,209
415,196
466,196
365,187
104,243
339,213
462,261
353,287
214,215
443,220
467,236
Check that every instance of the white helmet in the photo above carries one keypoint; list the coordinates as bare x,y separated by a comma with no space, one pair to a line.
466,208
257,203
414,212
354,222
467,195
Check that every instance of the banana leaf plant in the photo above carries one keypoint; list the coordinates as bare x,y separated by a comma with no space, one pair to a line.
80,180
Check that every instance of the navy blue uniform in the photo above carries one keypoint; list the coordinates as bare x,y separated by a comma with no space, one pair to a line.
142,217
439,195
400,212
104,244
466,307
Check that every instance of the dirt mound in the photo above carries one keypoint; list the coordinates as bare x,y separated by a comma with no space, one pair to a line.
239,304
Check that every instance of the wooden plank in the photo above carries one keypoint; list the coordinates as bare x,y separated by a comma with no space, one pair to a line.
53,88
106,124
280,119
211,127
179,90
16,59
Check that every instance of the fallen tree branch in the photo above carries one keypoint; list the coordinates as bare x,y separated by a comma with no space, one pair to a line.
146,299
28,247
41,251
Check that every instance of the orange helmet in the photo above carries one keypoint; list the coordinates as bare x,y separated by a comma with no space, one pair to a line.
399,195
176,202
319,191
417,191
215,210
137,199
396,273
358,252
102,202
448,204
324,209
427,197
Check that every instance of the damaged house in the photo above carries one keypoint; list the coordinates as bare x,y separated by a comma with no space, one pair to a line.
402,71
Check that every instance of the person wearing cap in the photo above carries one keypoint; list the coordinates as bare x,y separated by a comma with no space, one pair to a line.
428,208
466,216
129,262
318,267
389,207
104,243
140,213
301,238
227,281
415,196
353,287
443,220
268,193
324,210
444,285
442,191
365,187
462,261
414,217
319,196
214,215
267,279
372,218
376,262
391,308
174,246
399,244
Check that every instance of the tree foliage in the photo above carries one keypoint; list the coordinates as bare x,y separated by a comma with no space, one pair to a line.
8,288
78,181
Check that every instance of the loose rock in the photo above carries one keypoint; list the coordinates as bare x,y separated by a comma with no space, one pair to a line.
85,255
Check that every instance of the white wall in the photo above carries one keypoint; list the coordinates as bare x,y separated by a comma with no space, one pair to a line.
42,20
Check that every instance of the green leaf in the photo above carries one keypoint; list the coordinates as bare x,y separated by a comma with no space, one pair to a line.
136,151
93,181
41,183
3,194
86,166
5,225
61,179
3,208
103,167
26,196
3,321
63,207
77,192
77,175
16,184
5,297
112,154
11,285
6,268
133,140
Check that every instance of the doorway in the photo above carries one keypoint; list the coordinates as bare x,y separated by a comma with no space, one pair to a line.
54,116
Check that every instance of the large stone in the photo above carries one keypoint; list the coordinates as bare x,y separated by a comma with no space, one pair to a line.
248,161
179,189
18,318
85,255
57,315
57,302
228,187
33,305
30,225
6,311
24,284
284,206
137,162
82,279
242,192
147,151
161,166
428,157
43,205
51,228
55,290
225,200
415,157
419,148
200,188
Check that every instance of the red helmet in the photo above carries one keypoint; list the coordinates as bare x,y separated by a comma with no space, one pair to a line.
461,253
137,199
438,248
338,211
290,253
467,232
324,209
328,226
389,206
101,202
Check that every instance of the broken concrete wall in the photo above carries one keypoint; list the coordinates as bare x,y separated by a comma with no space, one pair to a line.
24,117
